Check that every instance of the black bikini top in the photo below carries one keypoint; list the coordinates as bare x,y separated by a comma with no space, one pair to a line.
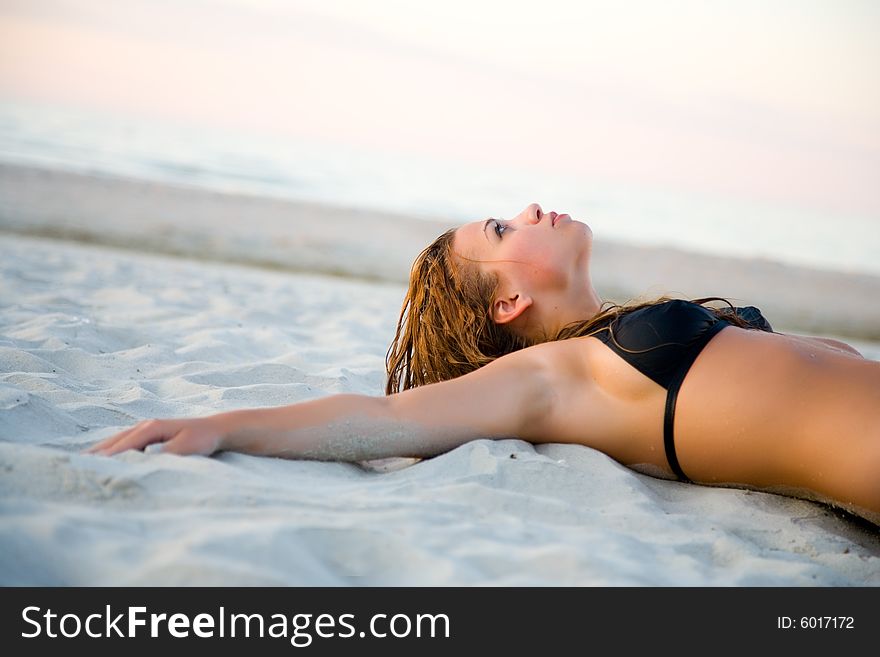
662,342
669,336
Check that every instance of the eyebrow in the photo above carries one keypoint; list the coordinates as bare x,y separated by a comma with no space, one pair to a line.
485,225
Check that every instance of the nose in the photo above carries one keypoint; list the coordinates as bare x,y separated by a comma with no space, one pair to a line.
533,213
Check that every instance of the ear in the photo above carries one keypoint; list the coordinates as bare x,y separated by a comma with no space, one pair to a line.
507,309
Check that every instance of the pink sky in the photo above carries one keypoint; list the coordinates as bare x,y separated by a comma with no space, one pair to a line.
780,106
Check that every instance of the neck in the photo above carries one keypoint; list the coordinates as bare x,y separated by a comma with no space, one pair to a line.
546,320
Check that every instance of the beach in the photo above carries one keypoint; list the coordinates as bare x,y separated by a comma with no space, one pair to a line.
123,300
353,242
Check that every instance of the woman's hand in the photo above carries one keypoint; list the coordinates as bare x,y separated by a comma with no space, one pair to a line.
187,436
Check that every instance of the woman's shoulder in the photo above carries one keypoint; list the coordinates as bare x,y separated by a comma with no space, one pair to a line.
566,363
522,394
594,395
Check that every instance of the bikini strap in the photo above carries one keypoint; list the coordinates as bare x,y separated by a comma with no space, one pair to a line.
672,396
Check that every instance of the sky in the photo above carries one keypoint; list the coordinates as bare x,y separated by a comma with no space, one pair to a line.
775,101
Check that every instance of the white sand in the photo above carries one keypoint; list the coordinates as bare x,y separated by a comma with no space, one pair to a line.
94,339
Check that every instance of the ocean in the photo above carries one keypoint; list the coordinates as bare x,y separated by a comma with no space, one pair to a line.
416,186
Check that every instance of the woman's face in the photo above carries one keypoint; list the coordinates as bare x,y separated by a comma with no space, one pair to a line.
537,250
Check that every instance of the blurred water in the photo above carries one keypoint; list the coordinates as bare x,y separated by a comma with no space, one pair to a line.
346,175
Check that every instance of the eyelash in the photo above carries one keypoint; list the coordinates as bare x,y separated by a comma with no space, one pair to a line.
497,226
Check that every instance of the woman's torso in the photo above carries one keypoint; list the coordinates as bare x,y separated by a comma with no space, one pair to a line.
756,408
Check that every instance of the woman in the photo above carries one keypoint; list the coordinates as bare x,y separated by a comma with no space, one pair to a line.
502,335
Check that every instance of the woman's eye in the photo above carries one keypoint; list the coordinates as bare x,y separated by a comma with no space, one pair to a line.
498,228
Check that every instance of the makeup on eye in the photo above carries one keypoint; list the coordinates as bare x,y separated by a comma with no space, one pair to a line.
486,225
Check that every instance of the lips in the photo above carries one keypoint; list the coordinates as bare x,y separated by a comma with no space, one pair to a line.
558,217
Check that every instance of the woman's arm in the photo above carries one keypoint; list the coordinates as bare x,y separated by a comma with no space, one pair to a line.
510,397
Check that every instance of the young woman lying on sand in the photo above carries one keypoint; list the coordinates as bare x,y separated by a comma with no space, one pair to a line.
502,335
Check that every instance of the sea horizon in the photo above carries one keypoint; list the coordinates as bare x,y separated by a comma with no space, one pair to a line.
432,188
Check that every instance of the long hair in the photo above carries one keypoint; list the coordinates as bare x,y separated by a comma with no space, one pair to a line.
446,328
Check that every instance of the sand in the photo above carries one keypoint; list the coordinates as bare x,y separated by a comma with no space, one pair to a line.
93,339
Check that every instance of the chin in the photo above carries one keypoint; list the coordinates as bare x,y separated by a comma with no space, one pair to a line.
585,229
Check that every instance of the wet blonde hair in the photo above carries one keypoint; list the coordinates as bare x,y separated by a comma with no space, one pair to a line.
446,328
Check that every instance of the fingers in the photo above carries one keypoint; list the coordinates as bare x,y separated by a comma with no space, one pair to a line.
138,437
197,437
181,444
107,442
176,445
182,436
